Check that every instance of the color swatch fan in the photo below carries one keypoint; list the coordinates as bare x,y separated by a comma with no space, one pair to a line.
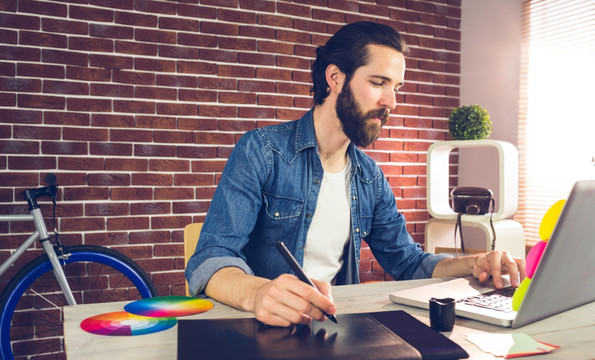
122,323
168,306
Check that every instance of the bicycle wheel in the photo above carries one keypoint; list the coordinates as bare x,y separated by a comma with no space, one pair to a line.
31,317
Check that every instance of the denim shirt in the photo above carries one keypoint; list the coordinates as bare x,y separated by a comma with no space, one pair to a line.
268,191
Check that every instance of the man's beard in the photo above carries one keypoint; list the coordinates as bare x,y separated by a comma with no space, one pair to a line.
362,129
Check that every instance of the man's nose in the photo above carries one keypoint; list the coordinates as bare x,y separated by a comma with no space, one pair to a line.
389,100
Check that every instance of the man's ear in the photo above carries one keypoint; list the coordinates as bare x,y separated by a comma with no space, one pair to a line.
334,78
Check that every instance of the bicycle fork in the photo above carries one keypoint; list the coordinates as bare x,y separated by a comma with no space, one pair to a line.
44,238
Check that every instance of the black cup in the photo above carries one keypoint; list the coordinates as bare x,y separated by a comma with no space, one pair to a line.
442,314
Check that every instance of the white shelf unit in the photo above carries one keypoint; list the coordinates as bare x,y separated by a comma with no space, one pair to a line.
440,228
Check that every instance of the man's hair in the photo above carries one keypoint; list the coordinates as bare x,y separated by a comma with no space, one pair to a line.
348,49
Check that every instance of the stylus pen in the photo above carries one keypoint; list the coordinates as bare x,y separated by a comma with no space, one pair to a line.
299,272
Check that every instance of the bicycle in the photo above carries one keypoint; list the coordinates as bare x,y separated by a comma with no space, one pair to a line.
31,314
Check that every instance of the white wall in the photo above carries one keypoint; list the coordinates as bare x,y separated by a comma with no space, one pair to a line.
490,68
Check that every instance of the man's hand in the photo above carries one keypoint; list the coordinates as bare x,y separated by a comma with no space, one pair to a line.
496,264
493,264
287,300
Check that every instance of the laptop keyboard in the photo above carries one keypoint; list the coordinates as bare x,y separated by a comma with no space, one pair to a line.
499,299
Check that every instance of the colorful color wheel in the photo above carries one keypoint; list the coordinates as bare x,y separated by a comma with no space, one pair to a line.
168,306
122,323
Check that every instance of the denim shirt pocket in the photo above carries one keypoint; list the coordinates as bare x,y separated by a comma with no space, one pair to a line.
282,215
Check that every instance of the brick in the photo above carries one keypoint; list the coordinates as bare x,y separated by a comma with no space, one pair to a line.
130,106
64,57
40,39
88,104
15,21
86,164
256,86
64,26
40,71
197,67
132,47
169,165
208,27
154,150
41,101
12,84
136,19
65,87
198,40
90,44
155,93
110,149
111,31
111,90
214,138
293,88
81,73
108,179
218,55
64,148
111,62
338,16
19,147
82,224
85,193
130,77
197,11
275,21
127,223
178,52
154,65
107,209
256,113
217,111
106,238
126,164
190,207
158,7
128,193
156,122
177,109
168,222
158,36
148,179
197,124
193,180
177,81
239,17
66,118
197,95
151,237
131,135
258,32
91,14
178,24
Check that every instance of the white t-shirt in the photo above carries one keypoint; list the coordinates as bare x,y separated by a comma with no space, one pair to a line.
331,227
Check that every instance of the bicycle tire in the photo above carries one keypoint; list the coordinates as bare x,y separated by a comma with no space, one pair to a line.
33,295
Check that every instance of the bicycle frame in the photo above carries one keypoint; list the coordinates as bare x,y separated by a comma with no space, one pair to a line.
42,234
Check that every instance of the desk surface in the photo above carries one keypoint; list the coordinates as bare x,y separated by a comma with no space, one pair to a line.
573,330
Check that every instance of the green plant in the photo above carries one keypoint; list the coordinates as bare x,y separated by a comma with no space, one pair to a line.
471,122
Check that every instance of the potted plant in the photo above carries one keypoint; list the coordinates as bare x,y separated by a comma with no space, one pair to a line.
471,122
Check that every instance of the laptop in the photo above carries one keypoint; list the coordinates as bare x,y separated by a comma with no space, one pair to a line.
563,280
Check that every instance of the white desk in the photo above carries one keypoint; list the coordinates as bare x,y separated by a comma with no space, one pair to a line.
573,331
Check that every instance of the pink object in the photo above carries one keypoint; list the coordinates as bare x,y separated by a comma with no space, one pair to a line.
533,258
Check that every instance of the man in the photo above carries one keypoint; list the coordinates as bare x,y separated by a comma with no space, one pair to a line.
306,183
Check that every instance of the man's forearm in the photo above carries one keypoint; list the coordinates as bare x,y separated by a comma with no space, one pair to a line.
455,266
233,287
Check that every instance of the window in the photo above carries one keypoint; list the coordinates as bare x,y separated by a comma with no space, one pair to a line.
557,109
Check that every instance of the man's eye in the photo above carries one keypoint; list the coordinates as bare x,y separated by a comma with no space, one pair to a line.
376,83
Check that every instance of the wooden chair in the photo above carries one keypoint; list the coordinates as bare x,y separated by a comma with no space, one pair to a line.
191,234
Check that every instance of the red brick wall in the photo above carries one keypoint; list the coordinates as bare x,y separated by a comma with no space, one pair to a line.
135,105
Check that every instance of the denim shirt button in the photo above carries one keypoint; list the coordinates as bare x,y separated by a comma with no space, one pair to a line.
308,215
276,214
316,181
357,230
